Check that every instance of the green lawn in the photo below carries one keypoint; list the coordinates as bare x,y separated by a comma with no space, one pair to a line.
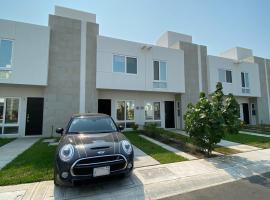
4,141
34,164
257,141
157,152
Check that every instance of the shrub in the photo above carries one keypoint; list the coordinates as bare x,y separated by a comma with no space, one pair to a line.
135,127
208,121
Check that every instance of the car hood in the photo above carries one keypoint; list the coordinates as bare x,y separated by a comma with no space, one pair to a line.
88,145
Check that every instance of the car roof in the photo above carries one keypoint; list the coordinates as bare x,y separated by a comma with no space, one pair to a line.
89,115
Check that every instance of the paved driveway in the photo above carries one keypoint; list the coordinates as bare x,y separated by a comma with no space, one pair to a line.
153,182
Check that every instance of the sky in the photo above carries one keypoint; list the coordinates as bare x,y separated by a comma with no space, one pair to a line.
218,24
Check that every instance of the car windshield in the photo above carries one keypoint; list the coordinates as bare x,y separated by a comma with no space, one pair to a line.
92,125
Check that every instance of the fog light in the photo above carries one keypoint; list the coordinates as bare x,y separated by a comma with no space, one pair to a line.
129,165
64,174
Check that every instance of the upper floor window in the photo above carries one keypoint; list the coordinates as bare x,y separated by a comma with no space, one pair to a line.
245,82
5,58
125,64
160,74
5,53
225,76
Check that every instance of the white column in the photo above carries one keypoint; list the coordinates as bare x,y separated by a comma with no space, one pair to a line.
83,66
199,68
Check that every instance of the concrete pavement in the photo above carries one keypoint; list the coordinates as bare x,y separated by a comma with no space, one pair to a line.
154,182
11,150
255,187
255,134
142,160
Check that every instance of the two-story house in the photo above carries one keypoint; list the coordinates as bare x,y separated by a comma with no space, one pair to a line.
48,73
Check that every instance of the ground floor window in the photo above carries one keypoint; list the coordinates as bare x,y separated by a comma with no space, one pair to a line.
9,115
152,113
125,114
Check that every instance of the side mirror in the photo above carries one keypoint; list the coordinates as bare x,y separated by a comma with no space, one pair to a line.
120,127
59,130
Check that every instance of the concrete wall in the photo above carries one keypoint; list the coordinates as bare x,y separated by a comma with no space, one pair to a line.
21,92
192,85
143,80
263,101
91,65
62,92
29,54
169,39
237,53
215,63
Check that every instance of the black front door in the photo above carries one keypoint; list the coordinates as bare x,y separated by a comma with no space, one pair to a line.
34,116
169,114
104,106
246,113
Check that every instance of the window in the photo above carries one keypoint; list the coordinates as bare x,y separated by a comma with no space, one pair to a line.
9,114
245,82
225,76
152,111
92,125
5,58
160,74
125,113
124,64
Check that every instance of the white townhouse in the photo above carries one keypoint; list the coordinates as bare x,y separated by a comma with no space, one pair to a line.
48,73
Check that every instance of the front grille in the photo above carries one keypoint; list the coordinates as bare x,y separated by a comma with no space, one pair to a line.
85,166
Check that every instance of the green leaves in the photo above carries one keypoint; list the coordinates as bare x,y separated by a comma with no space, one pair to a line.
208,121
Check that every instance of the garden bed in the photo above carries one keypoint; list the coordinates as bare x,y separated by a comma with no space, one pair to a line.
183,143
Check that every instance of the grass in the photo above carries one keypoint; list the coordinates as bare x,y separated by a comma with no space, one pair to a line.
157,152
34,164
4,141
252,140
183,143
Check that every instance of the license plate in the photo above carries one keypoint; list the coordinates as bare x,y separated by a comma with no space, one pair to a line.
101,171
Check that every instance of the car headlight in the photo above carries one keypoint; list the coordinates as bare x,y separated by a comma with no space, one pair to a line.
66,152
126,146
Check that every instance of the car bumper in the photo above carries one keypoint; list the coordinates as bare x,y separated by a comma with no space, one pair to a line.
81,173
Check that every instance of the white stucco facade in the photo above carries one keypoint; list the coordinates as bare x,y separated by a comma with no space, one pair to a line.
215,63
29,53
145,54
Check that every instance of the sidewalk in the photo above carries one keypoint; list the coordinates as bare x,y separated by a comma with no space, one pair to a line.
255,134
153,182
11,150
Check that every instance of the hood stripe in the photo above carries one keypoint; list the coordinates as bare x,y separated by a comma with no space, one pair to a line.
76,145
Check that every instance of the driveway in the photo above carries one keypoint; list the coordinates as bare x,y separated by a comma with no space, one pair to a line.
153,182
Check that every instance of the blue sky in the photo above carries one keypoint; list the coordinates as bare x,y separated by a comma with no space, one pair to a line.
218,24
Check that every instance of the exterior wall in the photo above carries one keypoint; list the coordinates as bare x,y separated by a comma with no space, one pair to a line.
29,53
204,70
143,81
215,63
169,39
62,92
192,73
140,99
91,95
21,92
263,101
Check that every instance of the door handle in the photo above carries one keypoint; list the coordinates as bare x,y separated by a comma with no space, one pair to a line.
27,118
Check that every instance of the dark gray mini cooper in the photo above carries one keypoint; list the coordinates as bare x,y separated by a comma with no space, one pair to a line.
91,146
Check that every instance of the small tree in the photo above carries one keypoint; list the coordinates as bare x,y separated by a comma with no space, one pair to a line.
231,114
207,122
